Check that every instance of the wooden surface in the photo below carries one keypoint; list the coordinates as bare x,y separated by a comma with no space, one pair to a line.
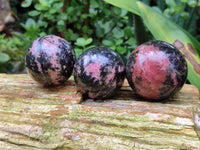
32,117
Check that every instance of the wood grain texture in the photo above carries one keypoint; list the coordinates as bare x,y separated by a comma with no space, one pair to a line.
32,117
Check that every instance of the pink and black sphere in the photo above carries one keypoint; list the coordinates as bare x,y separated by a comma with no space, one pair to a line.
99,72
156,70
50,60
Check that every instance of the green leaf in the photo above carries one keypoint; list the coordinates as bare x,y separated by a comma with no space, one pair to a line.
41,23
170,3
128,31
80,42
78,52
30,22
131,41
184,15
70,10
88,41
118,33
121,50
42,34
108,43
178,8
116,11
61,23
4,58
52,11
99,31
58,6
62,16
94,4
129,5
118,42
40,7
33,13
192,3
85,29
70,35
26,3
184,1
123,13
43,2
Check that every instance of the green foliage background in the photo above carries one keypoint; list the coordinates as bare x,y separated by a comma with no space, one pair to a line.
86,23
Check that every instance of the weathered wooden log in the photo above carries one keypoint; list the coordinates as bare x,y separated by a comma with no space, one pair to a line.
32,117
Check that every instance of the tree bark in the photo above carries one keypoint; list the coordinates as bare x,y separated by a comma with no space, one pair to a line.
36,118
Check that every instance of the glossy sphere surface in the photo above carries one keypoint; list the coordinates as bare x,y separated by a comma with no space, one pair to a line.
156,70
50,60
99,72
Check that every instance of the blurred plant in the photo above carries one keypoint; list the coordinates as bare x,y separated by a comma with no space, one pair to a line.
82,23
183,13
82,45
11,54
85,23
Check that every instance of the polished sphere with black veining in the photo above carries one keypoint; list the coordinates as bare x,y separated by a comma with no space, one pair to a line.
50,60
99,72
156,70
